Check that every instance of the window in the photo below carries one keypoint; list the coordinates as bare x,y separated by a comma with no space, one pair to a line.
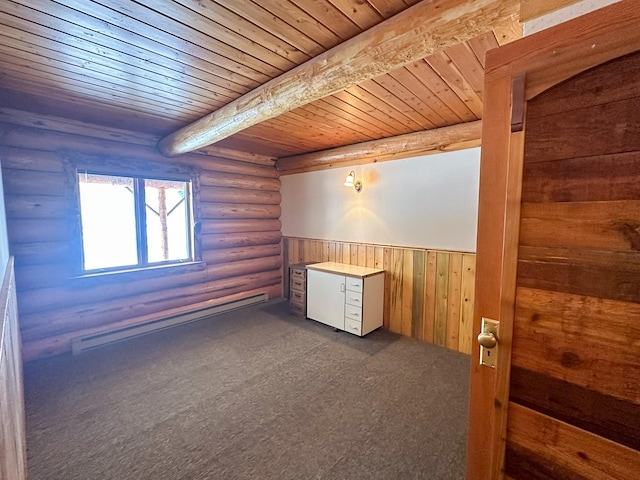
133,222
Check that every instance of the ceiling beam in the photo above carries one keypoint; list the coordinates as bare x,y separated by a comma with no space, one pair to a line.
437,140
423,29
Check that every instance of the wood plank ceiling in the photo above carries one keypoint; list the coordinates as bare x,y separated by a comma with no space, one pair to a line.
156,66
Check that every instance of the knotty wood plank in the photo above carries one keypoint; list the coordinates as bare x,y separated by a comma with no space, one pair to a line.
589,225
35,206
613,418
362,255
398,97
427,75
418,294
589,362
586,179
442,290
568,135
453,300
354,254
430,300
615,282
481,44
303,15
467,294
407,292
387,264
418,96
346,253
362,14
466,61
586,89
557,450
371,260
395,314
332,252
453,77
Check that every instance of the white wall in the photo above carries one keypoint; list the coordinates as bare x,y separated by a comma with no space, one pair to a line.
429,202
563,15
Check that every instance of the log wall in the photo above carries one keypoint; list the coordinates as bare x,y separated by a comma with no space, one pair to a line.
13,453
574,407
239,213
429,295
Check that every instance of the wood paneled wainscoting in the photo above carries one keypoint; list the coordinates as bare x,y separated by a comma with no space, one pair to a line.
13,452
429,294
239,210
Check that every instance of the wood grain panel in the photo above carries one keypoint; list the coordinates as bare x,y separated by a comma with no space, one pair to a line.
442,291
467,301
418,290
603,178
564,135
586,225
611,281
588,87
575,394
594,363
13,451
540,446
603,415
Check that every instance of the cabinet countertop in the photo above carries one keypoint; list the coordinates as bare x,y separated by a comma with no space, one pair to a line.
345,269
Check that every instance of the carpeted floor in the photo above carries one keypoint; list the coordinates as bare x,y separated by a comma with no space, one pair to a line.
251,394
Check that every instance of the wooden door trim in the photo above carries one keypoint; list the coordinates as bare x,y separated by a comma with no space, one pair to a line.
544,59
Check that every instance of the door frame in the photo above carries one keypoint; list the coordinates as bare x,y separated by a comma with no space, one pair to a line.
515,74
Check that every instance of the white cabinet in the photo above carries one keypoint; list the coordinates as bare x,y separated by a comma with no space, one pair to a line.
345,297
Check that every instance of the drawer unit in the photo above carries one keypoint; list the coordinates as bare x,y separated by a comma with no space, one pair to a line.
345,297
298,289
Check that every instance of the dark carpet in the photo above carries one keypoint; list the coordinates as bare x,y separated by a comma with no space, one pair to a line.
251,394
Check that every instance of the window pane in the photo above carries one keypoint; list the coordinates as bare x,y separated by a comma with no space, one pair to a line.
168,220
108,221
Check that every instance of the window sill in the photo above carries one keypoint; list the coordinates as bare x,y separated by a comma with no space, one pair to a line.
140,272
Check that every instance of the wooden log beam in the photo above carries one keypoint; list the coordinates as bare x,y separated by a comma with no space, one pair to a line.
421,30
438,140
215,211
13,139
239,225
241,239
236,195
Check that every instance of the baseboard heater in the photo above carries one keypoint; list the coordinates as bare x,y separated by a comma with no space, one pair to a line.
88,342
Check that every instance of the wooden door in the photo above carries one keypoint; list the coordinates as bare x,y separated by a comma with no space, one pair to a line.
558,260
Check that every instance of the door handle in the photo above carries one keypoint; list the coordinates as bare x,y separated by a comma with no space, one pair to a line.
487,340
342,287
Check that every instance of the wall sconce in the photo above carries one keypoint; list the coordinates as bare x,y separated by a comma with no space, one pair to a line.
350,182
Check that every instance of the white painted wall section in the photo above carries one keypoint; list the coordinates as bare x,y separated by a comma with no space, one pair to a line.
428,202
563,15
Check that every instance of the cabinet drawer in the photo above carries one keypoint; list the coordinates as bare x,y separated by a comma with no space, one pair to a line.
298,297
298,273
353,326
354,284
353,298
353,313
297,284
297,309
